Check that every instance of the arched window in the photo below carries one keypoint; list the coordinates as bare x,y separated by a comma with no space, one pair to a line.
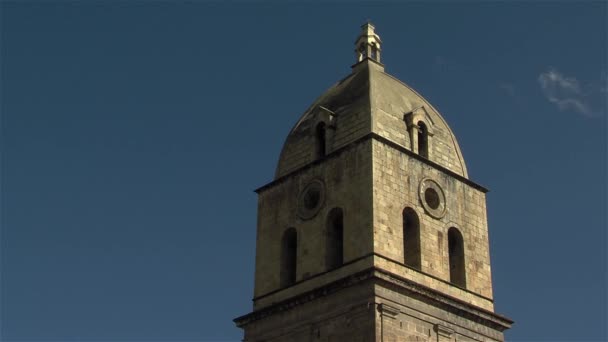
423,140
362,52
320,140
456,252
374,52
334,250
289,254
411,238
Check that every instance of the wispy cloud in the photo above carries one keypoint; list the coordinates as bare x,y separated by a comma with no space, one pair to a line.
565,92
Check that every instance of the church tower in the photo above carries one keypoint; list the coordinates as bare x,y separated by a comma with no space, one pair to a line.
371,229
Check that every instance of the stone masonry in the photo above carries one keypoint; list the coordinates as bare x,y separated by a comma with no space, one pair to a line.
371,229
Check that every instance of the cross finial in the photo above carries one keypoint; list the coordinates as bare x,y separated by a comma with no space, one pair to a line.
368,43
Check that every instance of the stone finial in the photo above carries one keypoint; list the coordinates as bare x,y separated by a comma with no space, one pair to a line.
368,44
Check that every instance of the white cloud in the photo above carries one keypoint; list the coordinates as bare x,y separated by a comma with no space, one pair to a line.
554,78
569,103
565,92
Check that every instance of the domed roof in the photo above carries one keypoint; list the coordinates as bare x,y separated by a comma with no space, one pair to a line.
370,101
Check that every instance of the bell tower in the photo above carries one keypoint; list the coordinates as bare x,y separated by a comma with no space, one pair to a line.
371,229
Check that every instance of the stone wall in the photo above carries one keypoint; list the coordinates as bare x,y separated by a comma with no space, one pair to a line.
346,176
397,178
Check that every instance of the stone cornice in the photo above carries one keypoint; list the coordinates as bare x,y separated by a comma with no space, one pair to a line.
428,162
440,299
304,297
443,331
385,141
373,254
388,310
386,279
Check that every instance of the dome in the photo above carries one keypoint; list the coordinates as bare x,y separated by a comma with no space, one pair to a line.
369,101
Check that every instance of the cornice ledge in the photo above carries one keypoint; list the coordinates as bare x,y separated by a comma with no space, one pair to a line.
443,331
305,297
444,169
447,302
383,140
384,278
388,311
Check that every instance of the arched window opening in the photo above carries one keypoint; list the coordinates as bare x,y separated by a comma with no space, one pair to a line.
456,252
411,238
320,137
374,52
423,140
335,239
362,52
289,254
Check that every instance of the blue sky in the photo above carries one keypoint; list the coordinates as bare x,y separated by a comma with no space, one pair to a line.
133,134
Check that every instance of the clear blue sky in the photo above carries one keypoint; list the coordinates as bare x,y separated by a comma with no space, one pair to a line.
134,132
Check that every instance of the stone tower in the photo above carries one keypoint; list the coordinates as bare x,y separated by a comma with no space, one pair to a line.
371,229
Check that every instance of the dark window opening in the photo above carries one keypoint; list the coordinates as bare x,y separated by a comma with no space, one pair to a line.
362,51
335,239
312,198
423,142
411,238
456,252
289,254
320,136
431,197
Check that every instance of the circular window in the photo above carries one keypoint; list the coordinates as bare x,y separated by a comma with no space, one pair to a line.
311,199
432,198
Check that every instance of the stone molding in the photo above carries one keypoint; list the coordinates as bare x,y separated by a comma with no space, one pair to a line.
428,183
442,300
389,280
373,254
379,138
388,311
443,331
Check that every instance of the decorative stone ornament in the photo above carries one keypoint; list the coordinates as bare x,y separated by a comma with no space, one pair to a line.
443,331
432,198
368,44
388,311
311,199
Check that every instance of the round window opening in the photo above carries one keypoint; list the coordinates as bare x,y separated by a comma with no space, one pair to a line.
432,198
311,199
